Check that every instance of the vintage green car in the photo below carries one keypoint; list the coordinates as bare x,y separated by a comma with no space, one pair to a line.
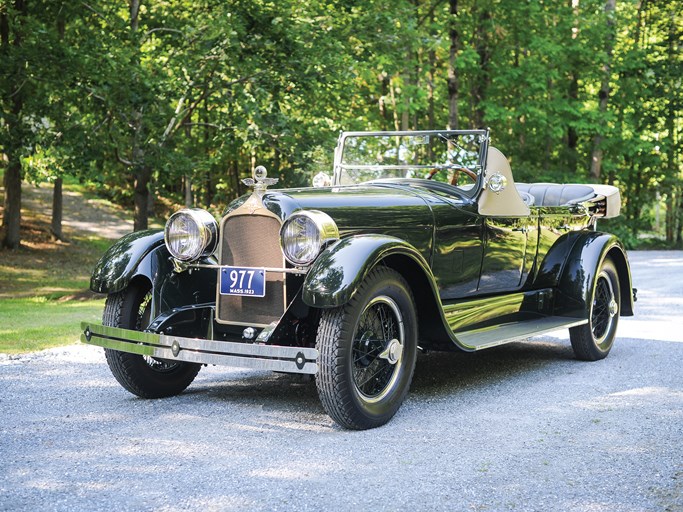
418,240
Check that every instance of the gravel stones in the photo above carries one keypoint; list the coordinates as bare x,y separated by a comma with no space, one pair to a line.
520,427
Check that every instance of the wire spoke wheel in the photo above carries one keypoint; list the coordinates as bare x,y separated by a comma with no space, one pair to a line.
594,340
143,320
367,352
377,348
144,376
604,307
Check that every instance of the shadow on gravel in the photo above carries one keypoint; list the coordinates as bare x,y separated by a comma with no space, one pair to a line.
277,391
437,374
453,372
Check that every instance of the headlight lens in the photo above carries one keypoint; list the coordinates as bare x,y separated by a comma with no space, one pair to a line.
304,235
191,234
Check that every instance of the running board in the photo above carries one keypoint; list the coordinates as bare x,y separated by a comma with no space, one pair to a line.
506,333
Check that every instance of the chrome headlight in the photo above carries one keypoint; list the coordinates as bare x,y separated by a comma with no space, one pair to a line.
304,235
191,234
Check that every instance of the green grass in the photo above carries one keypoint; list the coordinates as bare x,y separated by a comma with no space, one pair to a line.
36,323
44,284
44,294
44,287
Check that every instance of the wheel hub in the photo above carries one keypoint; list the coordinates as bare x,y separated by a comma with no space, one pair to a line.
613,308
393,352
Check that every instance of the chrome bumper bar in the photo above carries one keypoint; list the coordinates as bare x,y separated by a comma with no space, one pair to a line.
197,350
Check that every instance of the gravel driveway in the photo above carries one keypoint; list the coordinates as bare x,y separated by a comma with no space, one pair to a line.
520,427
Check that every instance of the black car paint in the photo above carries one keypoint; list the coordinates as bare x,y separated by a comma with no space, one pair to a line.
467,271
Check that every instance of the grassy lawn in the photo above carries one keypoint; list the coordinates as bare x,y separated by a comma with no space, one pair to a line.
44,285
44,293
35,323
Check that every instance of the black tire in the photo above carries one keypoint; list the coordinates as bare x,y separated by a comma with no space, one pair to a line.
364,374
594,340
143,376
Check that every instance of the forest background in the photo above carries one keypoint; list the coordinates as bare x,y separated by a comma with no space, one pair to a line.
174,101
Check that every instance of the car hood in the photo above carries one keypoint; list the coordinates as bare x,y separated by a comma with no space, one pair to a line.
377,209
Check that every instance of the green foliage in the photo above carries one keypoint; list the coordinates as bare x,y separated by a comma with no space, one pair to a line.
200,92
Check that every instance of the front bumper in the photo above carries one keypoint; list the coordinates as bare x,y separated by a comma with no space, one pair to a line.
197,350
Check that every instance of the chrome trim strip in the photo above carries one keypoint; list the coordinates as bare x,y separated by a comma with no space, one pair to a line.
196,350
298,271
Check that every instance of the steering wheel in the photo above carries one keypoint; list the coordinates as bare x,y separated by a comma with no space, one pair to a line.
457,170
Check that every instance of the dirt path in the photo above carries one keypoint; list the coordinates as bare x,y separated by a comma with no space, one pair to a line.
42,266
80,214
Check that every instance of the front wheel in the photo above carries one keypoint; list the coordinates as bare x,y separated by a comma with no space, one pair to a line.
143,376
594,340
367,352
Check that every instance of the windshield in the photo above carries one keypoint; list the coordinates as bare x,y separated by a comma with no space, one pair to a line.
454,157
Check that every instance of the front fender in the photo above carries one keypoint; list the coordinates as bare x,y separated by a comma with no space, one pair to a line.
575,288
143,254
124,260
340,269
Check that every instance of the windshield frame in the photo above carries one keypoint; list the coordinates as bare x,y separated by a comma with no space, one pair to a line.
343,136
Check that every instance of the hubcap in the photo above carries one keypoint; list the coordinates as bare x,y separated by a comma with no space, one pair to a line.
393,352
378,349
613,308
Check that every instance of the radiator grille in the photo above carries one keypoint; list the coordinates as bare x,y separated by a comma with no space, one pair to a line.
253,241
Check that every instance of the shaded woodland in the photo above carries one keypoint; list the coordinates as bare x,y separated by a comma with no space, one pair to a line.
180,99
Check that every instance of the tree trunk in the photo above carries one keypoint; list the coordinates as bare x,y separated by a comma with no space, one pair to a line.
141,197
452,73
11,220
57,196
603,94
57,210
573,89
383,111
674,200
431,123
572,135
142,173
188,191
484,51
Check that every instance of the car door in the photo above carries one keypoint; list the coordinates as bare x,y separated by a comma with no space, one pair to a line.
509,252
458,247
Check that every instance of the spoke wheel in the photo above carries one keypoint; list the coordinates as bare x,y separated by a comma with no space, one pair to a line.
367,352
144,376
594,340
378,349
142,320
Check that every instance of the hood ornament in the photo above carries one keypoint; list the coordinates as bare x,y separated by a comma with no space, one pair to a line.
260,181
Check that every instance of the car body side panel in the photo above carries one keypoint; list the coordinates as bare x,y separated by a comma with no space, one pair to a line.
458,249
505,254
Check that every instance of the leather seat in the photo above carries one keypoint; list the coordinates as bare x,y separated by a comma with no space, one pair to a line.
553,194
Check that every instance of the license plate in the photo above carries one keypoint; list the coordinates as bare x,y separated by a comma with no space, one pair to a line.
245,281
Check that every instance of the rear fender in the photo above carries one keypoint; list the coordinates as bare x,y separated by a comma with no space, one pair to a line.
576,283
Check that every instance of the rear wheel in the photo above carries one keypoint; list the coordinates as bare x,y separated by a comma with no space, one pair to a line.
367,352
143,376
594,340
